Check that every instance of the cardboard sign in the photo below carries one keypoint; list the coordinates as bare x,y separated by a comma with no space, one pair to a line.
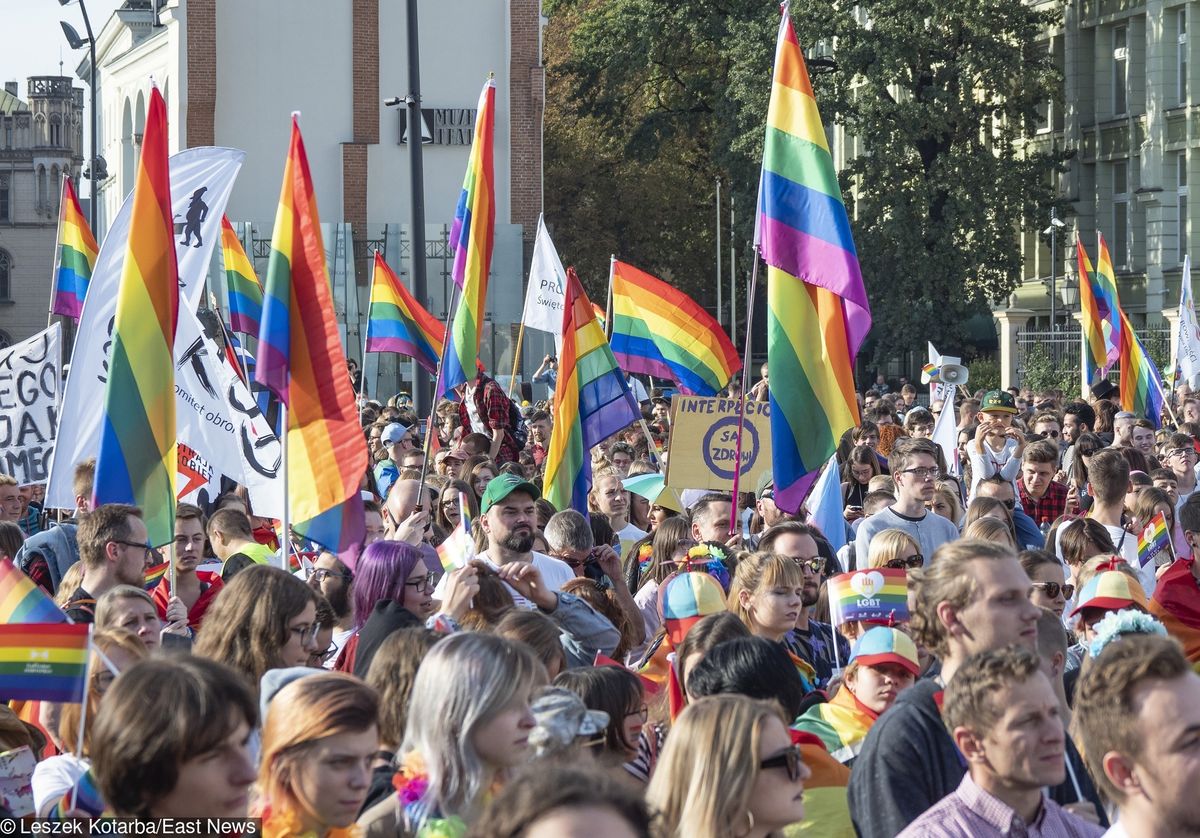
29,379
703,443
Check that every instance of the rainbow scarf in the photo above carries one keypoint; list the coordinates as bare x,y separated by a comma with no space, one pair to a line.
300,359
21,601
658,330
76,255
137,459
398,323
1141,383
841,723
826,801
591,402
245,293
1092,309
817,310
471,237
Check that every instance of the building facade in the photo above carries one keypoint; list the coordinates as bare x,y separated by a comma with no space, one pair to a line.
41,140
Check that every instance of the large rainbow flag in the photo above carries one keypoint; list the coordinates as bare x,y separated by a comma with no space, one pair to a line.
300,359
471,236
21,601
245,293
398,323
1092,308
659,330
817,310
1104,286
137,459
75,255
44,661
1141,382
591,402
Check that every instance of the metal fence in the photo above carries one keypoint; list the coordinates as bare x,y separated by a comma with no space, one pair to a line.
1057,355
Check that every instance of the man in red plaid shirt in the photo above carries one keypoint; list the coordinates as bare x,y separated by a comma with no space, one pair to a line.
486,409
1043,498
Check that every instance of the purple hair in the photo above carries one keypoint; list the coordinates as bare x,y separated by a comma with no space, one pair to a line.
382,570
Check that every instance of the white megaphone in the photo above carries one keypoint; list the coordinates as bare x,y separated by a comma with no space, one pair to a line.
954,374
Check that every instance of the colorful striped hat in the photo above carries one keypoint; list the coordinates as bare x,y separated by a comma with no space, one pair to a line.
886,645
685,598
1111,590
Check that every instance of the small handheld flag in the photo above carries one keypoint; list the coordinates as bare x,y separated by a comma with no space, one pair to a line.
154,575
22,601
459,547
879,594
44,661
1153,539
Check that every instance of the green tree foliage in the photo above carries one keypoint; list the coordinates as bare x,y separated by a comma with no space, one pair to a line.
647,102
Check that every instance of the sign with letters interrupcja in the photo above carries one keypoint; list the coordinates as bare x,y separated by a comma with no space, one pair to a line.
703,444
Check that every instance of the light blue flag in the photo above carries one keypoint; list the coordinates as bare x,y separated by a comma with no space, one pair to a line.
825,505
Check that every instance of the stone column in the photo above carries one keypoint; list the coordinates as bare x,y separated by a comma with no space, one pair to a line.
1010,320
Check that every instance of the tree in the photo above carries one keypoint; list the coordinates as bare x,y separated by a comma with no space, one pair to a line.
939,95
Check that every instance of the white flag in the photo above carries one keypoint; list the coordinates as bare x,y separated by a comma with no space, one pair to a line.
945,434
547,279
201,181
1187,347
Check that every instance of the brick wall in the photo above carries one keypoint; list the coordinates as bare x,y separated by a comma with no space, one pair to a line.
526,100
365,130
202,72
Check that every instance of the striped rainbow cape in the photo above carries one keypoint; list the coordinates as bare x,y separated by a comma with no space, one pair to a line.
76,255
841,723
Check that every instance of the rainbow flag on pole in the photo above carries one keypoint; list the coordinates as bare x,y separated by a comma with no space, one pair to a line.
245,294
398,323
1153,539
472,236
591,402
659,330
21,601
300,359
137,460
459,546
44,661
1141,382
1091,305
879,594
76,255
817,310
1104,287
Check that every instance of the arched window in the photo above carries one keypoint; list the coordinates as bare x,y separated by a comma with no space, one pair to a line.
5,275
39,130
55,130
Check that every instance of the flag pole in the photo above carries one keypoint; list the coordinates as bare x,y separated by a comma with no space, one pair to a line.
87,677
362,373
56,256
455,300
737,471
608,306
517,354
286,535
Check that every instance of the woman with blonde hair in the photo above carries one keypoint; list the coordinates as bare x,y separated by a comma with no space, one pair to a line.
319,737
767,594
946,503
982,507
729,768
895,549
990,529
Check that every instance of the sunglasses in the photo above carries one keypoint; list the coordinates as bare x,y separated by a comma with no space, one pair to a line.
911,562
1052,589
814,566
789,759
1050,434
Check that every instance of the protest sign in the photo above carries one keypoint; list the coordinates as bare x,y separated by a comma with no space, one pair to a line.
29,378
703,445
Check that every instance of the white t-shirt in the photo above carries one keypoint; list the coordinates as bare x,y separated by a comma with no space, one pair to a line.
555,573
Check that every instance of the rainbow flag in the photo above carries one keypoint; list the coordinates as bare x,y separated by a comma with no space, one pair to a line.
154,575
300,359
1153,539
659,330
44,661
879,594
842,723
1104,287
1141,382
245,293
76,255
137,460
826,799
591,402
471,236
817,310
22,601
1091,305
459,546
398,323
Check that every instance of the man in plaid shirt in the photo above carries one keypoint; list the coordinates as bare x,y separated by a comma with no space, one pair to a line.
486,409
1043,498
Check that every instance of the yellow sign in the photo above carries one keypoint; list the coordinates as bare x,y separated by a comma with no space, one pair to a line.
703,444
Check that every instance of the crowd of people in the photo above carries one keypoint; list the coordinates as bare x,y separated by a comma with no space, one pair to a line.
667,664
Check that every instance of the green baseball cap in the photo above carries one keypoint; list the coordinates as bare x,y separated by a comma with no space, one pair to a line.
503,485
998,401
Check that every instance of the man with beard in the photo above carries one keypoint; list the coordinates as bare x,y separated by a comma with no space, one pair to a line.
114,549
508,516
195,588
333,579
811,640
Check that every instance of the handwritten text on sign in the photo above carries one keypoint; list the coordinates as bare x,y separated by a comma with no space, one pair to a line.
29,378
714,423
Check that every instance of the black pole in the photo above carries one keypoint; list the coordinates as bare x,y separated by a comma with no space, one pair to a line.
87,25
416,174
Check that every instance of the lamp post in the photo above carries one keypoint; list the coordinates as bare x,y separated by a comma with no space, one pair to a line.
1052,231
76,42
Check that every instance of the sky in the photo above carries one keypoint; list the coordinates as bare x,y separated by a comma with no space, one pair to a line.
34,43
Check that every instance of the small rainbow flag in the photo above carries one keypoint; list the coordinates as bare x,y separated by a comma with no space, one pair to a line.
300,359
154,575
878,594
76,255
931,374
591,402
137,459
817,310
472,236
44,661
22,601
1092,308
659,330
1153,539
459,547
245,293
1104,287
398,323
1141,383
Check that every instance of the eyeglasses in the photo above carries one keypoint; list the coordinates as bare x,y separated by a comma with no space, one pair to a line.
306,633
642,712
1181,452
814,565
921,473
322,573
909,561
1049,434
148,548
789,759
423,584
319,658
1052,589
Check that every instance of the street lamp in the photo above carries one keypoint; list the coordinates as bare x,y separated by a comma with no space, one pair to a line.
1052,231
75,42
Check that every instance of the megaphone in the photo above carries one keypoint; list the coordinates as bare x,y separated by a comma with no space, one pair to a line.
954,374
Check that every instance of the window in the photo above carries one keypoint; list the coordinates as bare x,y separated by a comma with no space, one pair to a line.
1182,200
1120,239
5,275
4,213
1181,50
8,132
42,191
1120,70
55,131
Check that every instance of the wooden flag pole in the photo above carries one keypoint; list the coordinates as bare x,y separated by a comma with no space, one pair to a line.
517,356
737,471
